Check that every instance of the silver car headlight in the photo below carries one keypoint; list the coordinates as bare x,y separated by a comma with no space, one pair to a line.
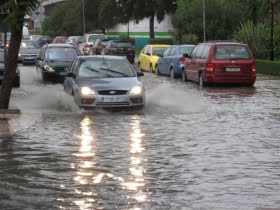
137,90
86,91
48,68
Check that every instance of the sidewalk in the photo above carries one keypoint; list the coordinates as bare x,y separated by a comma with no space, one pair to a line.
12,122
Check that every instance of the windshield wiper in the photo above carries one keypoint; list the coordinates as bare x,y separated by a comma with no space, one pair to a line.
95,70
114,71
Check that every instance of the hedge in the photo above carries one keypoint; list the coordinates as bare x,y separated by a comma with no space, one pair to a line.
168,41
268,67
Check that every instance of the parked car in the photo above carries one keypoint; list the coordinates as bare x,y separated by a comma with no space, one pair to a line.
87,42
44,40
120,48
104,81
98,46
74,40
54,60
149,56
2,69
171,62
220,62
28,52
59,40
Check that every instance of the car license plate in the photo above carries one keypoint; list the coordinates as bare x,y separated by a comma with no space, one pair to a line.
112,99
62,73
232,69
29,58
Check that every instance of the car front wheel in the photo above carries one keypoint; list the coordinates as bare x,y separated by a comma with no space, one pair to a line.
184,77
172,74
201,80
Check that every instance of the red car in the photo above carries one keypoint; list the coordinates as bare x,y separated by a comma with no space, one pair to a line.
220,62
60,40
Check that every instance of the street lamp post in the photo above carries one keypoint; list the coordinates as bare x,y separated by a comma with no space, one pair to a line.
84,23
204,33
272,3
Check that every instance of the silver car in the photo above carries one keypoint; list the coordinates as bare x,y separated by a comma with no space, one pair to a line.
104,81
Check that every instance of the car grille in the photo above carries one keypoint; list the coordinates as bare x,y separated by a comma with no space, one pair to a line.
112,92
112,104
60,69
29,55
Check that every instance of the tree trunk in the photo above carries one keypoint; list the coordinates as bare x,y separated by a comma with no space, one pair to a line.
152,25
11,65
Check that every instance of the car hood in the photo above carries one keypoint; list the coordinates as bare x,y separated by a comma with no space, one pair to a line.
60,63
109,83
29,51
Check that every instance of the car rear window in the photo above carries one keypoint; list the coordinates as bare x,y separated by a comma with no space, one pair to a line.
62,53
121,44
185,49
91,38
232,52
158,50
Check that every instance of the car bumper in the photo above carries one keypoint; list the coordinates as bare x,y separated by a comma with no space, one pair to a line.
54,75
28,60
246,79
101,101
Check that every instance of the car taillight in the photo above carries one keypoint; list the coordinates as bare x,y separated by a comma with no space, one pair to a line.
181,60
129,49
254,68
210,67
88,45
99,47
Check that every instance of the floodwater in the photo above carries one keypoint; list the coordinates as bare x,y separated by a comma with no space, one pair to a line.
190,148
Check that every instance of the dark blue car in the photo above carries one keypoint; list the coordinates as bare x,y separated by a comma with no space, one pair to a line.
171,62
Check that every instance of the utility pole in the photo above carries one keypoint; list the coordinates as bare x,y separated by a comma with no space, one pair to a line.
204,33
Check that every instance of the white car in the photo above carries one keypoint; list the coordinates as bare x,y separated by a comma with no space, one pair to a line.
87,42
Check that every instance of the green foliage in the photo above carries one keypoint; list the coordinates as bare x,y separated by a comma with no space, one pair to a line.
161,41
268,67
255,36
221,18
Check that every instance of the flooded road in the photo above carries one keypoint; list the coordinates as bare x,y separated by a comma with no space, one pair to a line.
215,148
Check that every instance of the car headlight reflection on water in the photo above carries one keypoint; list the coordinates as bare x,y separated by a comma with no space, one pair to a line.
137,90
86,91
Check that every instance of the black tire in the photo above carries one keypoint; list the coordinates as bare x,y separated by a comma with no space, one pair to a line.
157,70
201,80
151,68
44,77
184,76
172,74
139,68
17,82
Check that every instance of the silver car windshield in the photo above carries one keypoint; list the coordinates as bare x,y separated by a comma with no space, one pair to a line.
27,45
101,68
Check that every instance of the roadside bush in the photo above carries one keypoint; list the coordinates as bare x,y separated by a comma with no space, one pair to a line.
268,67
255,36
161,41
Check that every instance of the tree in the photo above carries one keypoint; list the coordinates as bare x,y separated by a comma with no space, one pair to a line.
222,16
139,9
18,9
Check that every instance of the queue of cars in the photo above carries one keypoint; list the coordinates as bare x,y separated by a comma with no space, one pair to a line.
212,62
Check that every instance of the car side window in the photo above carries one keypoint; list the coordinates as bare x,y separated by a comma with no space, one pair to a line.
166,52
149,51
172,51
194,52
205,52
144,50
199,51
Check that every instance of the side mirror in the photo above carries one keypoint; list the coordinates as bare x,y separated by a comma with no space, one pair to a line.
187,55
140,74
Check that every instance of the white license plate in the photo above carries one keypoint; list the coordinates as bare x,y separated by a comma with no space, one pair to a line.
62,73
112,99
232,69
29,58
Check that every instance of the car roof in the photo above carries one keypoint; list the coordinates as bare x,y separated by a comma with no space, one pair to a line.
158,45
180,45
224,42
111,57
60,45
